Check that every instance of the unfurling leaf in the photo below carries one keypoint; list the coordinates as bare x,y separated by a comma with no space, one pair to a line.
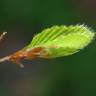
62,40
55,41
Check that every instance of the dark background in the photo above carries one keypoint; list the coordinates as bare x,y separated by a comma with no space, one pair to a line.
67,76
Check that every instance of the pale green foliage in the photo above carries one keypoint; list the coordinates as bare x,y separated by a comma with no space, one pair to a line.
62,40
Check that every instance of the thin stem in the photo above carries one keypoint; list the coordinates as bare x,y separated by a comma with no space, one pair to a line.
2,35
4,59
7,57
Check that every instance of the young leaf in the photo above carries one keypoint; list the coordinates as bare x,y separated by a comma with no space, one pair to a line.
62,40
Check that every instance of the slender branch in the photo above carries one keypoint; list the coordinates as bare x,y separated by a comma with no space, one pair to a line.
4,59
7,57
2,35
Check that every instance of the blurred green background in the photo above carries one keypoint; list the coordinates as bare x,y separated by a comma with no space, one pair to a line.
67,76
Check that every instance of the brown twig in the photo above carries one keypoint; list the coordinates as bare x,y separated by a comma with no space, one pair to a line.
2,35
4,59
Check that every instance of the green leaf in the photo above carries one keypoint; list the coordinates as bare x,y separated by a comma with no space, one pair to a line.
62,40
